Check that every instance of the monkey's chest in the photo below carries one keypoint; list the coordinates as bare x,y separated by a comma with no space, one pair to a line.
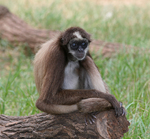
71,77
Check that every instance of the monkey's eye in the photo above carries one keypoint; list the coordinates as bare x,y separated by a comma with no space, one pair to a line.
84,45
74,46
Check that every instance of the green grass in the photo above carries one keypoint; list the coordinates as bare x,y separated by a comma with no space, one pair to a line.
128,77
127,74
17,88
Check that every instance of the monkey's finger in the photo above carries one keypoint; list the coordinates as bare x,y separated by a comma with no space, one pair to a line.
121,105
124,112
85,121
90,121
93,121
93,116
89,118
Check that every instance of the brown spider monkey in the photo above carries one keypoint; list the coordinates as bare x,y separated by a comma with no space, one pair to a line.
67,78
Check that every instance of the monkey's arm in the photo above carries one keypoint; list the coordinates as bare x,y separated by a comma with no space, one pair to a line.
94,104
66,101
97,104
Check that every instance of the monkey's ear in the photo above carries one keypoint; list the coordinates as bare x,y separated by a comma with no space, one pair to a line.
61,40
90,41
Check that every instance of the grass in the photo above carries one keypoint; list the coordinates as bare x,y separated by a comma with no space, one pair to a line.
127,74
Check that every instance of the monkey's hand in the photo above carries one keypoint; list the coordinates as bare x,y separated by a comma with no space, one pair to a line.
86,106
120,111
90,117
86,109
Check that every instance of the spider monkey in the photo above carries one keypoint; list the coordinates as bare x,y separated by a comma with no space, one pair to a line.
67,78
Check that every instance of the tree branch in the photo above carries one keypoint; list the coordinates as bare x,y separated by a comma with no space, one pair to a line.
66,126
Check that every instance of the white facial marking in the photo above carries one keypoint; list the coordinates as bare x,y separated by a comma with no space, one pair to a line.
77,34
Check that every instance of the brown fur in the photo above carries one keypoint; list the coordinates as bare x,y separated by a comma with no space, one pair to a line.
49,66
68,35
93,104
94,74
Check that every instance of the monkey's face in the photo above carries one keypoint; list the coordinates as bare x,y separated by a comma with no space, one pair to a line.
78,48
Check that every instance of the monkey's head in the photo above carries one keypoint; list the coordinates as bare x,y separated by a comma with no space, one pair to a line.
76,41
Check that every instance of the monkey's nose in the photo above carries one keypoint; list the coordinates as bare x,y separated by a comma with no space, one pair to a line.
80,49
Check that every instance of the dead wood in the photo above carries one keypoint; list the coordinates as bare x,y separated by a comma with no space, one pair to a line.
67,126
16,31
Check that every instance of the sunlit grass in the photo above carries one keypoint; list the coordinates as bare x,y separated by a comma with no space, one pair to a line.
127,74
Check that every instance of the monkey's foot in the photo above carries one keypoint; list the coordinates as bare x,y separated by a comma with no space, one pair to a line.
120,111
90,117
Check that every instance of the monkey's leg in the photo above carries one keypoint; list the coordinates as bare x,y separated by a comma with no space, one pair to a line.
70,98
93,105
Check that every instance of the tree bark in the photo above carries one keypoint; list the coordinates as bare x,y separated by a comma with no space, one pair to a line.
17,32
67,126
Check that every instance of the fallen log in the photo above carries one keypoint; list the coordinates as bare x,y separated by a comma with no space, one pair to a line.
16,31
66,126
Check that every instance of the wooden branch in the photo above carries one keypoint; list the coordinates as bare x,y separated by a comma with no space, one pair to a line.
17,31
67,126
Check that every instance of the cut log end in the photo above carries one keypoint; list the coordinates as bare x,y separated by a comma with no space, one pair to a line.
107,126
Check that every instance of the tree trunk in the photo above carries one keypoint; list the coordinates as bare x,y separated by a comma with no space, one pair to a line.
17,32
67,126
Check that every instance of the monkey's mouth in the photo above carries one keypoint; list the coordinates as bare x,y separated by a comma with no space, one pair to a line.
80,55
